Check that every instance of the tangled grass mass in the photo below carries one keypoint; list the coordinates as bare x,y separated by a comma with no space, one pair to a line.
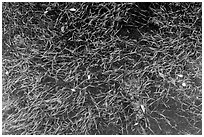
118,68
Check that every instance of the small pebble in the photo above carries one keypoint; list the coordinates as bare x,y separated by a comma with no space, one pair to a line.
72,9
180,75
7,72
45,12
143,108
184,84
136,124
62,29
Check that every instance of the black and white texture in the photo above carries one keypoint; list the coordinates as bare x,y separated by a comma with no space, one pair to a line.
96,68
